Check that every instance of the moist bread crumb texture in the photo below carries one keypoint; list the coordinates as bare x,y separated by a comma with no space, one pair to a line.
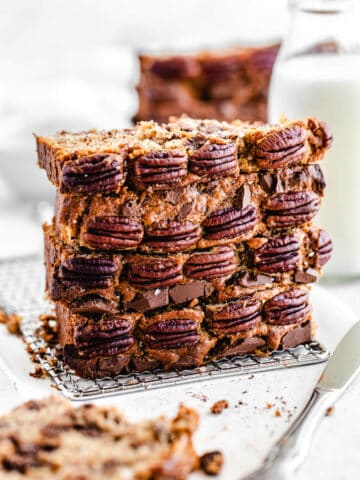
176,244
49,438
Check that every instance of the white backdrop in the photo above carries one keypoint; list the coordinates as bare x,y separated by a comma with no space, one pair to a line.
70,64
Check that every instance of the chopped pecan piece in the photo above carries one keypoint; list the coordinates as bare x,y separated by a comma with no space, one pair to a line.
324,248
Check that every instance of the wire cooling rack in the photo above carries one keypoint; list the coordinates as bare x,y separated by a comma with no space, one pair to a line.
22,291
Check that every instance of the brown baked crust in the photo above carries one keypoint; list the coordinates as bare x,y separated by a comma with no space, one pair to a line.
49,438
223,84
185,151
143,282
279,200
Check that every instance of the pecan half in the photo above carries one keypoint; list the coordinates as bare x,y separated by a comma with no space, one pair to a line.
290,209
281,148
107,348
154,273
161,168
279,254
324,248
99,173
94,272
102,330
237,317
217,263
170,330
214,159
172,236
113,232
291,306
230,223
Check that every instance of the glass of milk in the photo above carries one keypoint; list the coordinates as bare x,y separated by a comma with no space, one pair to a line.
317,73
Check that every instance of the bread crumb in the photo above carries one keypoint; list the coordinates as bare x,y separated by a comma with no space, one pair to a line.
269,405
212,462
11,321
329,411
277,413
219,406
39,372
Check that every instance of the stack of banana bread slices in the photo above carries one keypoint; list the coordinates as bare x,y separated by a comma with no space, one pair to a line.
176,244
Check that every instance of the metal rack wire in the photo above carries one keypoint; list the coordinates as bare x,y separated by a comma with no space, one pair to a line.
22,291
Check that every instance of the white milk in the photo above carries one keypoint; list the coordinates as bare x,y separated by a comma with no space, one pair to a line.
328,86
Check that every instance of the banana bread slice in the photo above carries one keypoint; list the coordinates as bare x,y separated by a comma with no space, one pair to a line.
182,152
49,438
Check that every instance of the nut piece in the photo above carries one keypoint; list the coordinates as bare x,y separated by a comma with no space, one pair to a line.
94,272
160,168
99,173
237,317
219,406
171,330
230,223
324,248
291,306
102,330
211,462
172,236
321,133
217,263
150,273
106,337
113,232
291,209
214,159
277,255
281,148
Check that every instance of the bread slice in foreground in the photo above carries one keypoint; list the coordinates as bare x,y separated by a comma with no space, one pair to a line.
50,439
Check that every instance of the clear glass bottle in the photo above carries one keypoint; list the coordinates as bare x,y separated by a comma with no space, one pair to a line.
317,73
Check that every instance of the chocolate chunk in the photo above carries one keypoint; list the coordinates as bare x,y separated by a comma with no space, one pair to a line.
250,279
267,182
298,335
307,276
247,345
150,300
185,292
243,197
184,211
